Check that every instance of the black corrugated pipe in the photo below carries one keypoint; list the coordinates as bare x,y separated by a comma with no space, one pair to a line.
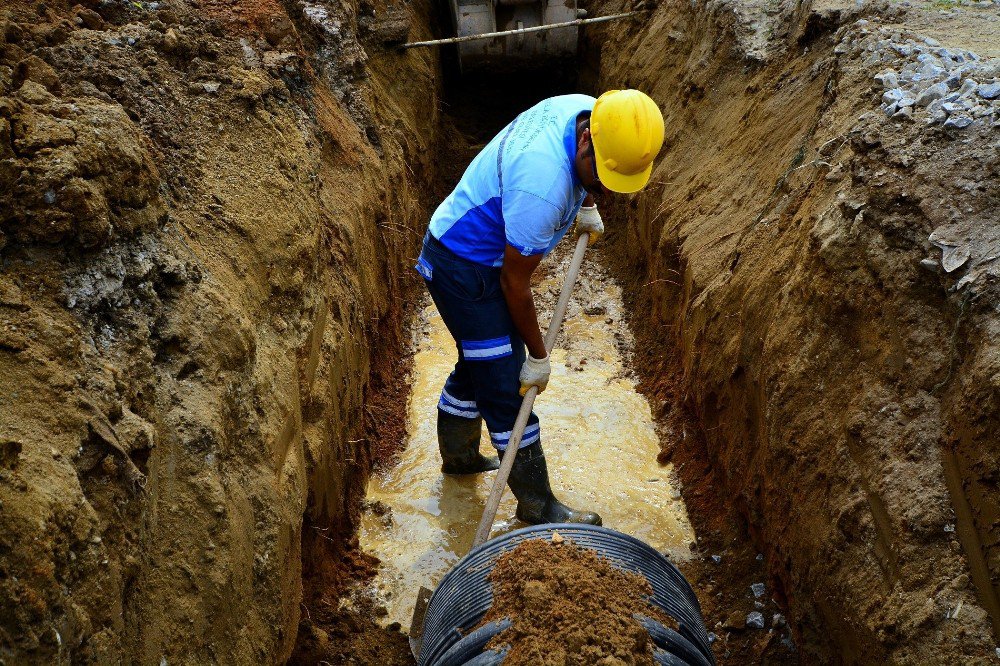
465,594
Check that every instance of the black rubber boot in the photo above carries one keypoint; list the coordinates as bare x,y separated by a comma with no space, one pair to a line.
458,440
529,480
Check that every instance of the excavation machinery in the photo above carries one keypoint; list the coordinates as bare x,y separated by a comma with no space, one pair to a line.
515,34
478,17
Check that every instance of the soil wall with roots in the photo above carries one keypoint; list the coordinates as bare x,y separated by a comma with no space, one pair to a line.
819,281
208,211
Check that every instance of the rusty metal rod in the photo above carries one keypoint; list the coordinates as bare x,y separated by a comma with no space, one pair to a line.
521,31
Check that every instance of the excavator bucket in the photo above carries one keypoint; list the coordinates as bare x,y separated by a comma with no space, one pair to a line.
476,17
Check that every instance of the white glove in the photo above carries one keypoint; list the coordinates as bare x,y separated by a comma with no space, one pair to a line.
589,221
535,372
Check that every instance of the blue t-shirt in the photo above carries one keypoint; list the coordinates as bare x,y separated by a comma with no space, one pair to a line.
521,189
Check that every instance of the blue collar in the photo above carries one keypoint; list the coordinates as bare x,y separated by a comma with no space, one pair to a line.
569,142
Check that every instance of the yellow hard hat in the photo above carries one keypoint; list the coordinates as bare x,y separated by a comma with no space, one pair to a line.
627,129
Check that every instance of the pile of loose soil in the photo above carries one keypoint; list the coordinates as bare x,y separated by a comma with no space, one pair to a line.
569,606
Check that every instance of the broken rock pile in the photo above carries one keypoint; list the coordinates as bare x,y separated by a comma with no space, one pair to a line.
922,80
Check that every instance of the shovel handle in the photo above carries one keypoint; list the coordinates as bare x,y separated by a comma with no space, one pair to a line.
500,482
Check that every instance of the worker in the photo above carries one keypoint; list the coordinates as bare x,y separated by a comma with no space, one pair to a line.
513,204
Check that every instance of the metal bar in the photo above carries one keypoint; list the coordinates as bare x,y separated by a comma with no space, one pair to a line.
522,31
500,482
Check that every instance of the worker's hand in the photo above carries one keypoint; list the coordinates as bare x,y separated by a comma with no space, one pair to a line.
535,372
589,221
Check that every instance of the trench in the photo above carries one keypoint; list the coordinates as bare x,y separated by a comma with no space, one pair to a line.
765,279
604,434
600,435
210,211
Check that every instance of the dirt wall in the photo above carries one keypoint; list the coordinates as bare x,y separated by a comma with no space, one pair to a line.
795,254
207,213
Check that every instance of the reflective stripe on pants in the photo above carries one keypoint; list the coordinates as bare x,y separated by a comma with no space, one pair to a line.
490,351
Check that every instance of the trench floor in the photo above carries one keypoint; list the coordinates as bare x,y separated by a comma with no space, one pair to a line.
597,431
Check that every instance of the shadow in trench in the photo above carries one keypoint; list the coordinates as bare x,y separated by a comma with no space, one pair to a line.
481,104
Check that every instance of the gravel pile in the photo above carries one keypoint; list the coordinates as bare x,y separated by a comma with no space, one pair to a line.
922,80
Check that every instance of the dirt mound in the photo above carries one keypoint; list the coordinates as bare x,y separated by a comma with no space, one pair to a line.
201,249
569,606
822,269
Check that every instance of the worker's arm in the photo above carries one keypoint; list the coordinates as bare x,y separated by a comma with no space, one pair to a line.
515,280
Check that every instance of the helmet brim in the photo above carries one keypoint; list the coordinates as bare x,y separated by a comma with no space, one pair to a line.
620,182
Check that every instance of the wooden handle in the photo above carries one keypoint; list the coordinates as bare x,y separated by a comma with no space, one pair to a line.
500,482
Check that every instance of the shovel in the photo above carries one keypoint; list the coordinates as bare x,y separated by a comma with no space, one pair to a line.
500,482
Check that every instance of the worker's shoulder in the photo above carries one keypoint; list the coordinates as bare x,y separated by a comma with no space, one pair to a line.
579,100
534,156
536,168
541,174
546,121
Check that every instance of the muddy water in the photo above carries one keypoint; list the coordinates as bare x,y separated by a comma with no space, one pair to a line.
597,432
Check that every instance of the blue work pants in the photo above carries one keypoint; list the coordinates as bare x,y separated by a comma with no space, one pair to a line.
485,380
